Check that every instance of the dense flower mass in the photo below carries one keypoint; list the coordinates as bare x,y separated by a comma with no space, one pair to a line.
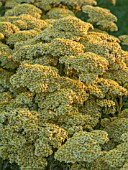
63,87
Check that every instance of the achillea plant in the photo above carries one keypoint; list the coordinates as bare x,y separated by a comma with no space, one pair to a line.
63,87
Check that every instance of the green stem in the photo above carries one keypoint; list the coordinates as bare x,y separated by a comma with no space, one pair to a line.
119,105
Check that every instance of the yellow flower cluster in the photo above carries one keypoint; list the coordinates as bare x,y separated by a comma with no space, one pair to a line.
124,39
105,103
108,50
124,137
5,78
21,36
19,45
77,166
61,97
56,13
116,128
27,159
94,90
100,36
5,97
108,106
83,146
72,24
120,76
25,21
80,2
25,98
24,141
29,52
36,78
57,47
10,3
45,60
111,86
117,157
61,47
107,25
102,17
6,28
24,9
6,61
125,57
47,4
86,63
25,1
50,33
88,78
